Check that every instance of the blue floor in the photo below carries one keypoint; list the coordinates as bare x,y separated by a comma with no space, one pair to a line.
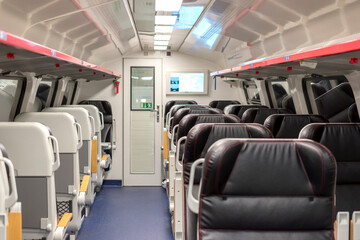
128,213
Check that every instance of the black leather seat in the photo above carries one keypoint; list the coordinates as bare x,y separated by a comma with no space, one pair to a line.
267,189
179,114
353,113
169,104
342,140
221,104
334,104
258,115
176,108
191,120
199,140
290,125
239,110
288,103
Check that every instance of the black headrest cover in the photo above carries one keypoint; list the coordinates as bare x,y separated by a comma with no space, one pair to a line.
290,125
258,115
191,120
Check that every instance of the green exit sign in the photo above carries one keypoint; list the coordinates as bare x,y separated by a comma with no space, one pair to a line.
146,105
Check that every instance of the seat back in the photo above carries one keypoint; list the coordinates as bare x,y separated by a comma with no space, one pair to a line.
87,157
267,189
176,108
258,115
82,116
290,125
199,139
239,109
184,111
191,120
203,135
10,212
170,104
33,155
334,104
221,104
63,127
342,140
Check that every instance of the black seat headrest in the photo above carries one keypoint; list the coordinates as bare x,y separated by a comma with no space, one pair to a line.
342,140
353,113
170,104
288,103
239,110
267,189
184,111
334,104
258,115
290,125
221,104
191,120
203,135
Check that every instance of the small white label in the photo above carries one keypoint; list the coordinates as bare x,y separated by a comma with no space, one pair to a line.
311,65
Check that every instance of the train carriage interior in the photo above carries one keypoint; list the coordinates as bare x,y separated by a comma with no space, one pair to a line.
179,119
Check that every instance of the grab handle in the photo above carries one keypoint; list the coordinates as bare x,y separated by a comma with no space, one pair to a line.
12,198
79,133
56,164
101,120
92,120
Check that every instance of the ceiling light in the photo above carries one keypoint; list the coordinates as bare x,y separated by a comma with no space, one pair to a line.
162,37
161,48
165,20
146,78
161,43
163,29
168,5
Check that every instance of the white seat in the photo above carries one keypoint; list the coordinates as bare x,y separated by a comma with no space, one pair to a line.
103,160
10,210
35,155
86,163
67,179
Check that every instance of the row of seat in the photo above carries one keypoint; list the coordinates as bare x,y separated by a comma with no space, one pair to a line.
202,136
59,164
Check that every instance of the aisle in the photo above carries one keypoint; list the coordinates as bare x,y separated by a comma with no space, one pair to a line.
129,213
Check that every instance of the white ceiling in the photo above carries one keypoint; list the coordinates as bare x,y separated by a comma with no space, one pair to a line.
228,32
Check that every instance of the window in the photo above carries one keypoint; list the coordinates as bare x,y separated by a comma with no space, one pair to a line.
278,91
7,97
251,92
314,87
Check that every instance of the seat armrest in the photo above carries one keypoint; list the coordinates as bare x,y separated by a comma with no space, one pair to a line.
193,203
85,183
14,226
64,221
60,232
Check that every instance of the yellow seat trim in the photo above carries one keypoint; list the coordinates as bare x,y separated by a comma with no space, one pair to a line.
94,146
65,220
166,145
104,157
85,183
14,226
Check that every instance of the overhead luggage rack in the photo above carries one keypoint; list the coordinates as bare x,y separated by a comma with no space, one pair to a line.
329,60
18,54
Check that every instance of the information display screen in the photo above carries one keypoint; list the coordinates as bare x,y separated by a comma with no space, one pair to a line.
187,82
